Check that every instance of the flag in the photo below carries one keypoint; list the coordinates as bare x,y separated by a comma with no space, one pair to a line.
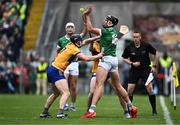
175,75
149,79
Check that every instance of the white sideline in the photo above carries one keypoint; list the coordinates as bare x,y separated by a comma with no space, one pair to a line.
167,117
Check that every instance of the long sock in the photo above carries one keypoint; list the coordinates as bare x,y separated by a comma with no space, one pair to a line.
152,100
92,108
73,104
129,105
89,101
131,97
45,110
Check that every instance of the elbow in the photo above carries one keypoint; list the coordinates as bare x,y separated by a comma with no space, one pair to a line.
124,60
85,59
89,28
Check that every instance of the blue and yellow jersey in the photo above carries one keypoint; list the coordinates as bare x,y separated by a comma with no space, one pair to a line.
95,66
95,49
66,56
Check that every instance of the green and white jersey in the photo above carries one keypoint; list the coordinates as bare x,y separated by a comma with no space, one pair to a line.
62,42
107,36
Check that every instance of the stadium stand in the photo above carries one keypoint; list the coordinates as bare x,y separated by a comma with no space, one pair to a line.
13,17
33,24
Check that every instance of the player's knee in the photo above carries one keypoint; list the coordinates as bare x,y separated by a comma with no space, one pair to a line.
99,83
130,94
55,94
66,93
73,87
91,91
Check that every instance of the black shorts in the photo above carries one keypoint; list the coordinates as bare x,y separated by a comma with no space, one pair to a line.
135,75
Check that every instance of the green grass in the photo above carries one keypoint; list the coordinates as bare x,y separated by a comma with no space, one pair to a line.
25,109
175,114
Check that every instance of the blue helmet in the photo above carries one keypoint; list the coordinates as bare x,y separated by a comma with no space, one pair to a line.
76,39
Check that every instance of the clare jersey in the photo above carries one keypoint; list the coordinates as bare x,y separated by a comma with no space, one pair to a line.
95,49
66,56
95,66
107,36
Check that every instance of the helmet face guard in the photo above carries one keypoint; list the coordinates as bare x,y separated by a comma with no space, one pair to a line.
76,39
78,44
113,19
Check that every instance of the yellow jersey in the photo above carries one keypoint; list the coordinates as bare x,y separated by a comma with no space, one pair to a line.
95,49
66,56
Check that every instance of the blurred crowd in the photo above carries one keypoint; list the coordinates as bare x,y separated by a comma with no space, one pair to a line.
13,18
154,27
28,75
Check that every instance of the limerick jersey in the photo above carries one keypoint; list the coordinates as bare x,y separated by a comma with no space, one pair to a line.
66,56
73,68
107,36
62,42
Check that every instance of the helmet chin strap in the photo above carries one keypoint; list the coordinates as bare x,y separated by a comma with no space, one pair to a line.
107,26
77,45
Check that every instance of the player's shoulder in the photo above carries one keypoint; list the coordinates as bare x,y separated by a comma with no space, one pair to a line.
62,38
72,47
108,29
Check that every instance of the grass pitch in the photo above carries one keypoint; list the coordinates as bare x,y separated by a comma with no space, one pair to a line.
25,109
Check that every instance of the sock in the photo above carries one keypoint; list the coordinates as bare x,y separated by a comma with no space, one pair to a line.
126,112
90,96
73,104
152,100
60,111
45,110
129,105
92,108
131,97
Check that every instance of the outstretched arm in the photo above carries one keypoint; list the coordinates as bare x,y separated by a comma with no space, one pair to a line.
84,31
87,41
89,25
89,58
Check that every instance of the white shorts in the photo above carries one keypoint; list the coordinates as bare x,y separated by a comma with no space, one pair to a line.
109,63
73,69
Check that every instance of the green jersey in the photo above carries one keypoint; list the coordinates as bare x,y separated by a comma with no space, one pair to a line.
62,42
107,36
